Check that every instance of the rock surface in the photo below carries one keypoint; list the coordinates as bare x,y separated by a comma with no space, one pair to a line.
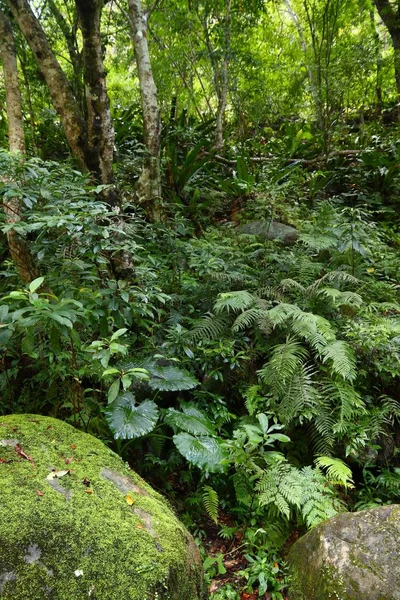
270,230
353,556
76,522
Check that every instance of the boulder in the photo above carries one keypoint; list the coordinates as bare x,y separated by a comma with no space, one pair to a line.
76,522
353,556
271,230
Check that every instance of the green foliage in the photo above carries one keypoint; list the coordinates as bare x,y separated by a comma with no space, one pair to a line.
129,420
211,502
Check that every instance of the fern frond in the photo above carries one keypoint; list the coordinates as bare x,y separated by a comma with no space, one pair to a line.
209,327
233,301
211,502
247,318
299,396
342,357
271,293
338,473
339,298
336,278
285,360
291,285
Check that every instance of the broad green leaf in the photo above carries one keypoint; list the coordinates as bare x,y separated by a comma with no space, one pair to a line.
190,420
118,333
202,451
171,379
128,420
35,284
113,391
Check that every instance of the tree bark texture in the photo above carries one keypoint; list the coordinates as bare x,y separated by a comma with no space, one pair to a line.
391,19
99,149
19,249
60,91
149,185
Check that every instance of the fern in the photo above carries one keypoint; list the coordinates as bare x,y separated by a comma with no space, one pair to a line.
286,359
303,491
248,318
233,301
343,361
209,327
211,502
337,471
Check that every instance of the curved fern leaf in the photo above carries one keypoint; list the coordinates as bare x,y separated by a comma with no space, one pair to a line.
211,502
342,357
337,471
233,301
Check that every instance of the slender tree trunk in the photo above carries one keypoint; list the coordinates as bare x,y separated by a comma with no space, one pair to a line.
304,47
99,149
149,185
378,63
220,70
60,91
19,249
391,18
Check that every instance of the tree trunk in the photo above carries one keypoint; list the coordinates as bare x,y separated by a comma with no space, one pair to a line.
99,149
220,69
391,19
378,63
19,249
149,185
60,91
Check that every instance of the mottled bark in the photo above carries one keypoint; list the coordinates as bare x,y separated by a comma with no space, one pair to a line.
100,131
19,249
69,28
63,100
149,185
391,18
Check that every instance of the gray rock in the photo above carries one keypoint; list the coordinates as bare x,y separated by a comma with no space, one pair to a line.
353,556
271,230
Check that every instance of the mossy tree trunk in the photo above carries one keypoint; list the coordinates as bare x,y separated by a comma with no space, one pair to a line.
19,249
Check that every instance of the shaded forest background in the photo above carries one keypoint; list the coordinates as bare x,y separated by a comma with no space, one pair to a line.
200,254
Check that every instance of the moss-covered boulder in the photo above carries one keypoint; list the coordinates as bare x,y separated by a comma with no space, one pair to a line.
76,522
354,556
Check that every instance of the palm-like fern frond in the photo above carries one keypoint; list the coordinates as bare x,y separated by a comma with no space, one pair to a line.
248,318
343,360
337,471
233,301
209,327
211,502
285,361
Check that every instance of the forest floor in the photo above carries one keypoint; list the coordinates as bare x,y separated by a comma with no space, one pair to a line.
229,553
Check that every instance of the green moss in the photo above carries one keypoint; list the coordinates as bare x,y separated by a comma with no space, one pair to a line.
51,530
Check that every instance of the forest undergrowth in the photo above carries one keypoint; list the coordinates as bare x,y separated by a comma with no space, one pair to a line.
254,383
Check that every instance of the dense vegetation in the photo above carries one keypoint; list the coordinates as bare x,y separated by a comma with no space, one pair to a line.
253,380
